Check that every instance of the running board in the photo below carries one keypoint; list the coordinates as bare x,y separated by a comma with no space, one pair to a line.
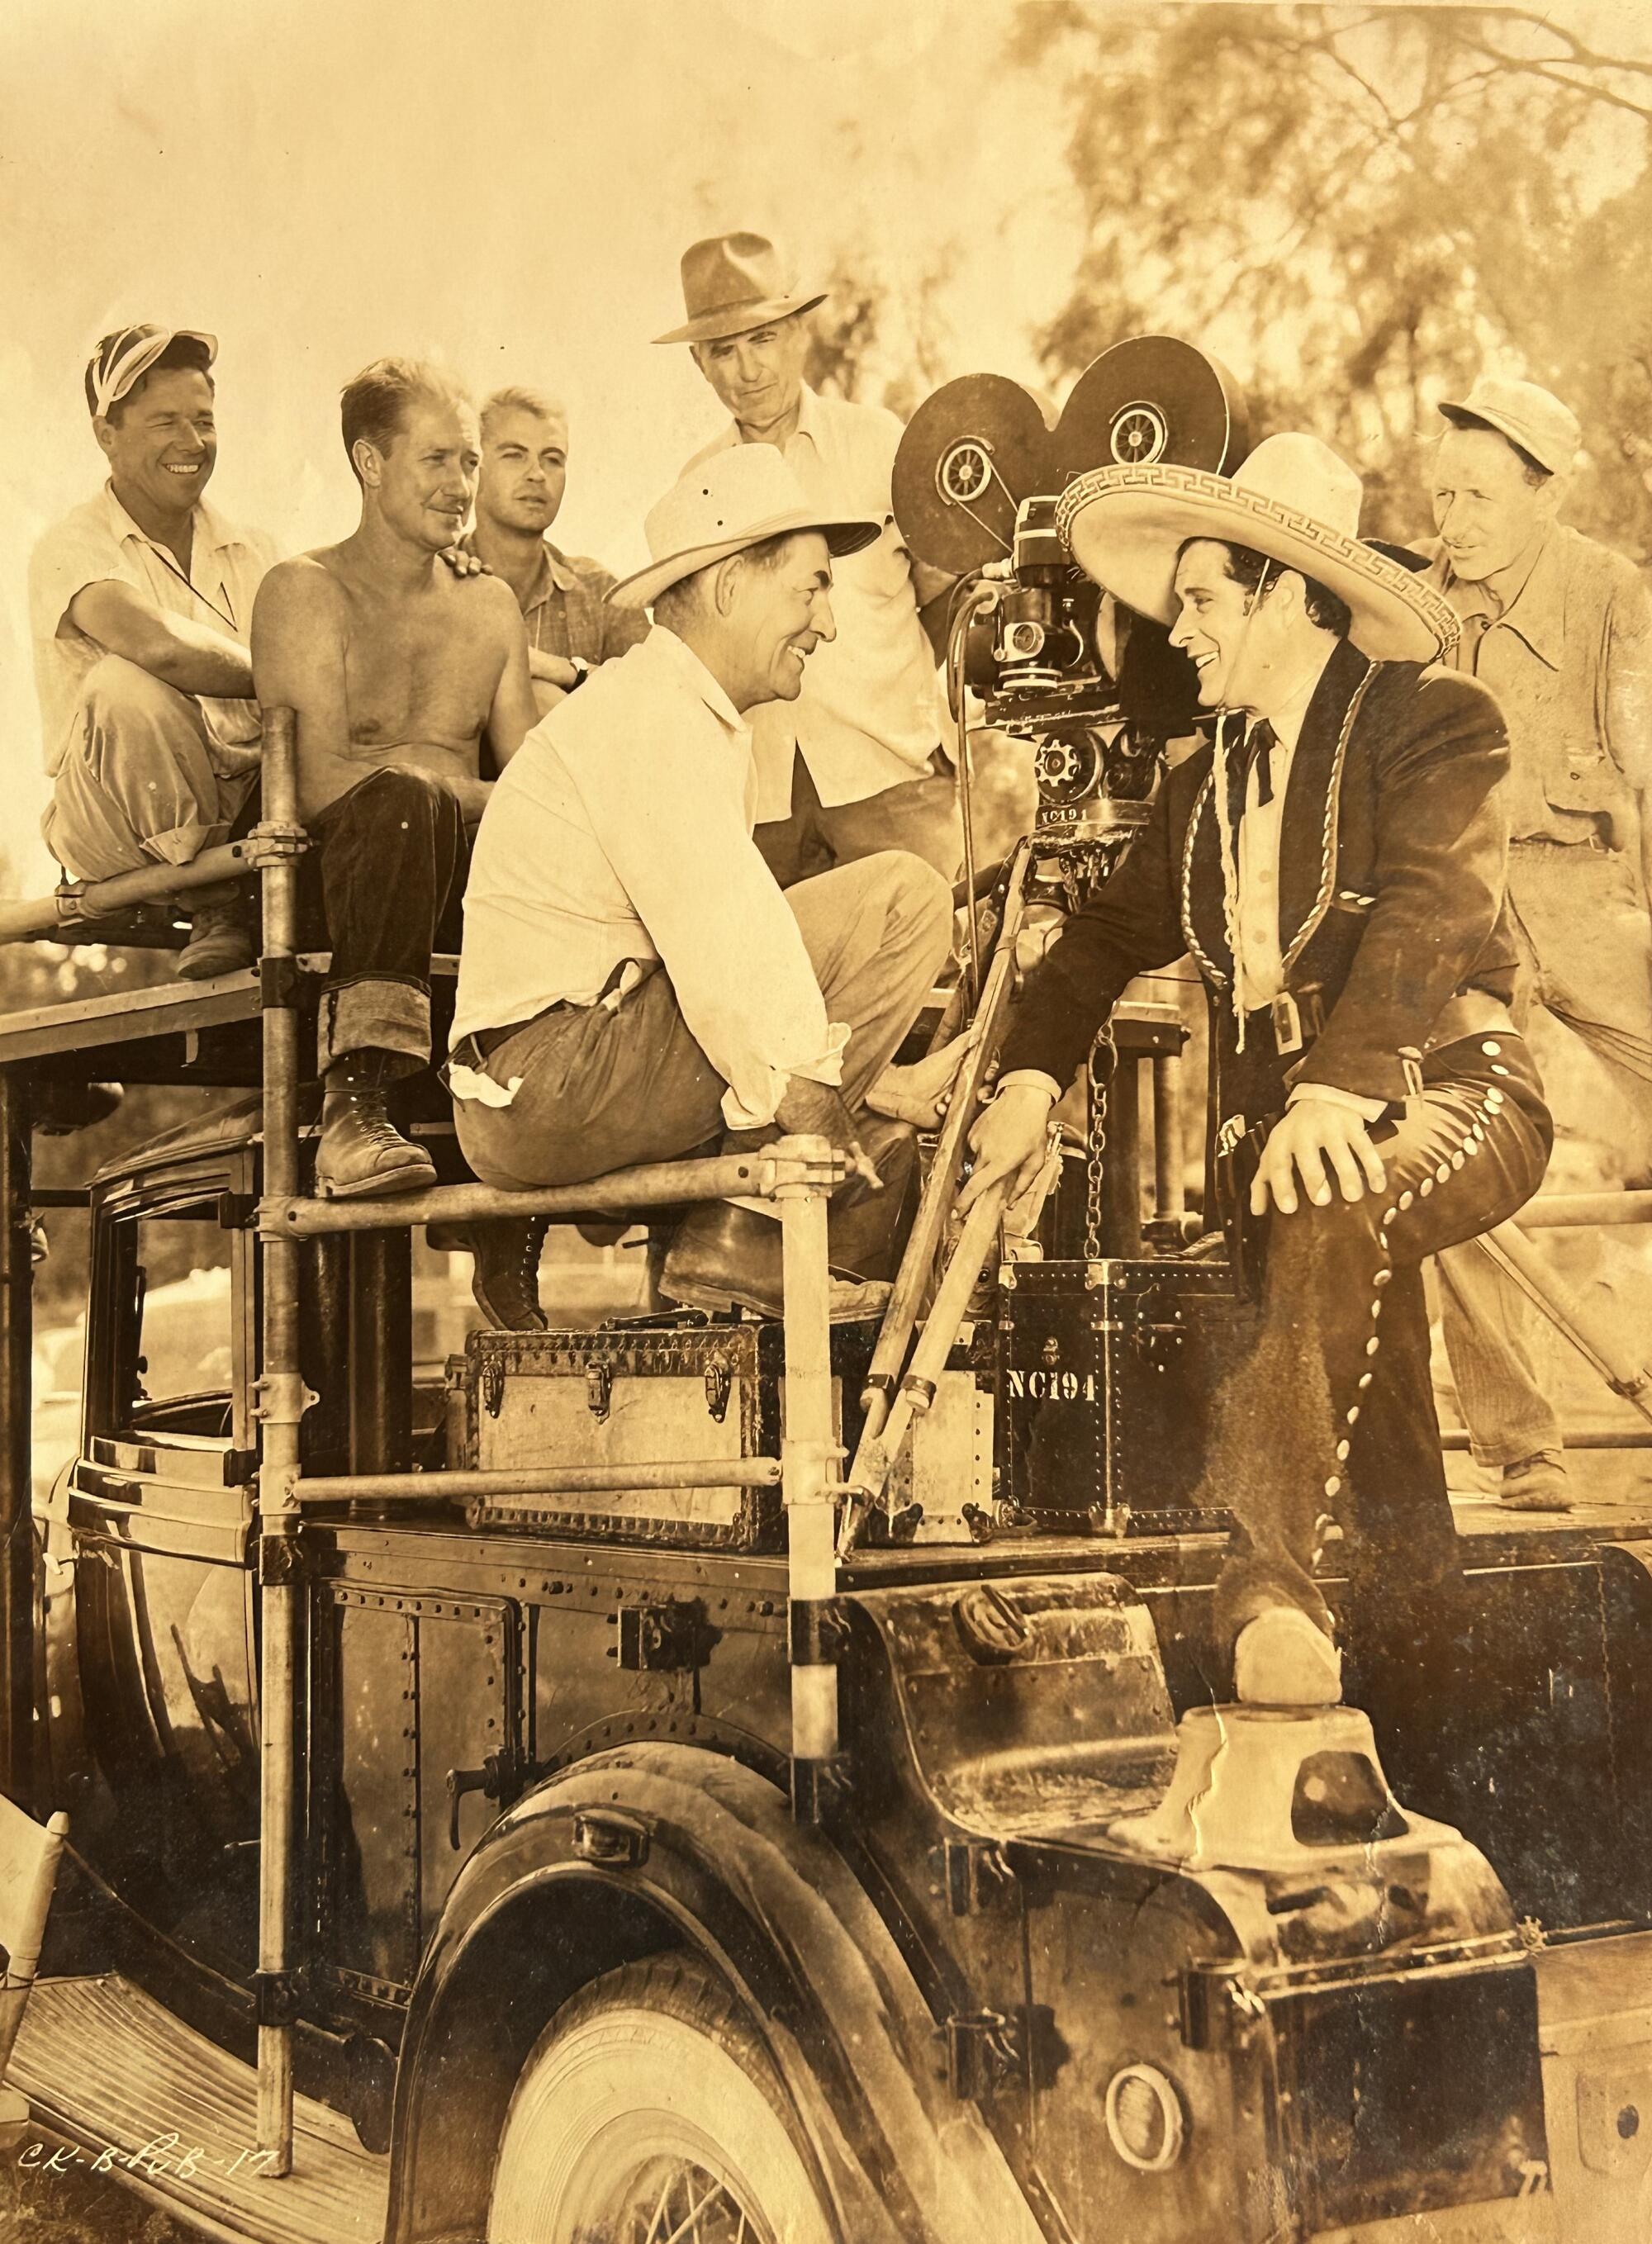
105,2063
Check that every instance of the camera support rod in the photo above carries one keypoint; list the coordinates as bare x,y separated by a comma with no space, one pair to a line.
941,1186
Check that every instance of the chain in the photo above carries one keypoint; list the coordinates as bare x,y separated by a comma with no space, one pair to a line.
1103,1059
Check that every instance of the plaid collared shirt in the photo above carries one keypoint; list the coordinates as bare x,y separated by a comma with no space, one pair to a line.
567,613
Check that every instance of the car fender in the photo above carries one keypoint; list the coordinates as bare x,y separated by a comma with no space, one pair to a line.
723,1868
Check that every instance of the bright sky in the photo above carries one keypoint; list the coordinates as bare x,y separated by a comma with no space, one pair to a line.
508,183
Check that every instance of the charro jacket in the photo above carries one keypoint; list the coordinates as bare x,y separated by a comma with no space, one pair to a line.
1392,852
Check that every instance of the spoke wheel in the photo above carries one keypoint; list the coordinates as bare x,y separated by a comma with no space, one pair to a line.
650,2114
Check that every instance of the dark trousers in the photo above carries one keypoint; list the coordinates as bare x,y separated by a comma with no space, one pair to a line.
1331,1416
380,884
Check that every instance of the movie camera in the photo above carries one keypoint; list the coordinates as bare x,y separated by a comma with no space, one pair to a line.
1095,689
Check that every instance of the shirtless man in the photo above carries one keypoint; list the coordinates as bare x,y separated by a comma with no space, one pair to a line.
398,668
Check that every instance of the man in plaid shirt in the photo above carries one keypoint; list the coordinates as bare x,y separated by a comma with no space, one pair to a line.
524,472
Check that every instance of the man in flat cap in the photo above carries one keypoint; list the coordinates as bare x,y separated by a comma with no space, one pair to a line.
140,600
1560,627
633,983
1333,860
855,764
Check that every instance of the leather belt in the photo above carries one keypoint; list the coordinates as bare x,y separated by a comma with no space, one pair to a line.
476,1049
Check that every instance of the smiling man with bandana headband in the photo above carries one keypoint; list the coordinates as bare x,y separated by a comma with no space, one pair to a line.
141,601
1334,860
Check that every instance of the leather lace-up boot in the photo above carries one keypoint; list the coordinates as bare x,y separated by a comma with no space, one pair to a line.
362,1151
505,1283
220,936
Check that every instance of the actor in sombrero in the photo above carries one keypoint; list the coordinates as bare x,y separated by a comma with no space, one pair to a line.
1333,858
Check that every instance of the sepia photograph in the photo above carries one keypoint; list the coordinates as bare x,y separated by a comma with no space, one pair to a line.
826,1122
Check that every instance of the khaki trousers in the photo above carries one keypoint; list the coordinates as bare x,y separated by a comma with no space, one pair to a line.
143,782
1585,940
601,1090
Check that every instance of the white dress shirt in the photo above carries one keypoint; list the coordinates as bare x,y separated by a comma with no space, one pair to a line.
99,543
620,831
869,714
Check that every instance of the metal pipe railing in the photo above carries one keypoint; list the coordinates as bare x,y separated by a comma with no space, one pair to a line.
30,919
1169,1187
808,1452
16,1523
661,1184
283,1399
1580,1437
1581,1211
540,1480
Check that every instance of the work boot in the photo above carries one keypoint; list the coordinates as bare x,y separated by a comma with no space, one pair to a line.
505,1279
1285,1659
724,1256
219,938
1539,1483
362,1151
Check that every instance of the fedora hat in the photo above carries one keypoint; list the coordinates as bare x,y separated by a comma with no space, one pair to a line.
1532,419
736,498
1293,500
734,282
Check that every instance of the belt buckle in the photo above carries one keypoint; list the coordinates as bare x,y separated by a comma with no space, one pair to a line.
1229,1134
1286,1016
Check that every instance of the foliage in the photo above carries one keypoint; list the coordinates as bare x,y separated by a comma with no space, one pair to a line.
1358,208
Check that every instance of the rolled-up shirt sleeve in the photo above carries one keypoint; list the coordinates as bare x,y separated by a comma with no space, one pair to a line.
735,955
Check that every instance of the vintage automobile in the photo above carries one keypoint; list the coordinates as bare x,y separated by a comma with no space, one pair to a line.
729,1780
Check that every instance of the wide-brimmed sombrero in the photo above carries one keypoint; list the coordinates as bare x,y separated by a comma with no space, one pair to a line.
1293,500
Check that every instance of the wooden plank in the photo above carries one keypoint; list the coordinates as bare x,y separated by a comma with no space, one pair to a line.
127,1015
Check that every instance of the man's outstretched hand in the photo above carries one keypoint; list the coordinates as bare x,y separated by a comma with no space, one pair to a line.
1011,1140
1325,1144
816,1109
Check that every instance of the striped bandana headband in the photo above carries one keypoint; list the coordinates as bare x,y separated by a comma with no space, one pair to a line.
124,358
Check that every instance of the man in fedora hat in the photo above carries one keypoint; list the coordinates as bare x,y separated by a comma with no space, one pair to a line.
139,602
854,763
1560,627
633,983
1333,858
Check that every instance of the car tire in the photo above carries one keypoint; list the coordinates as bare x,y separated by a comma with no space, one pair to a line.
649,2109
